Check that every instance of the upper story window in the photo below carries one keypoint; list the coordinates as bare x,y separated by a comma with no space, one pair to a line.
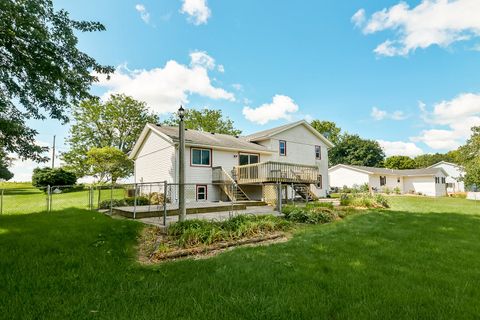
201,157
318,152
282,147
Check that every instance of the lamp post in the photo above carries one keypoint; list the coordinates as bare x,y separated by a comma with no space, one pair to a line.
182,212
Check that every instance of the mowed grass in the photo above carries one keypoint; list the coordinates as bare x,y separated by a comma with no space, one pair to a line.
418,260
21,198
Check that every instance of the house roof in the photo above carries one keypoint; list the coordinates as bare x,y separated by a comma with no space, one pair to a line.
446,162
266,134
385,171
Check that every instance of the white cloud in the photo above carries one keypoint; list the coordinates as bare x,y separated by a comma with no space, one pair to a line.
452,121
359,18
238,87
144,14
164,89
282,107
221,68
202,59
400,148
432,22
197,10
378,114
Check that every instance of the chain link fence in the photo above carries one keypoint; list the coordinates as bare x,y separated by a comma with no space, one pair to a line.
139,200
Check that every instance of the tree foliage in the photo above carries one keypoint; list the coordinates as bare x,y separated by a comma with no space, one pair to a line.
43,177
469,155
328,129
353,150
427,160
108,164
116,123
207,120
5,163
399,162
42,72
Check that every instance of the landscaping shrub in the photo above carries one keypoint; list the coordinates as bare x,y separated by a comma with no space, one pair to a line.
141,201
203,232
157,198
130,201
364,200
312,213
105,204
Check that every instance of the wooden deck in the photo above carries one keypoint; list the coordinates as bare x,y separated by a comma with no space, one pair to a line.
272,171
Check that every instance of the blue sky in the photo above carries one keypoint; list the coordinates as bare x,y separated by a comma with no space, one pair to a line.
404,73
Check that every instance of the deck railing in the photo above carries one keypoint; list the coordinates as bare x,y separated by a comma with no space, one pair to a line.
272,171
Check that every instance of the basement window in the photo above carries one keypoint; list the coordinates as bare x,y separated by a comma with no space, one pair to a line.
319,183
201,192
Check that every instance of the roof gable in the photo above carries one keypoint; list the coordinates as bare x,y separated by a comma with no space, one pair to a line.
267,134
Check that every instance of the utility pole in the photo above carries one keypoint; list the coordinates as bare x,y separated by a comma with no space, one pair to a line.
182,212
53,153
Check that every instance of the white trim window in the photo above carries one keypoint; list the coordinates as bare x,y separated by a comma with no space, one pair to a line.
201,157
318,152
282,147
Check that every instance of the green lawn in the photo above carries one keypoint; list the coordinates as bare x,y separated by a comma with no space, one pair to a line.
419,260
20,198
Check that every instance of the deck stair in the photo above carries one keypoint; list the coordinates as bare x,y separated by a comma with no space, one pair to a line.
303,190
228,185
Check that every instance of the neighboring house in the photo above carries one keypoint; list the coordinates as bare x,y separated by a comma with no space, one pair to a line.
455,175
429,181
291,154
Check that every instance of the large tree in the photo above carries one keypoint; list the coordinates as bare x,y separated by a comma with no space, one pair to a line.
426,160
399,162
5,163
353,150
469,156
42,72
207,120
108,164
328,129
115,123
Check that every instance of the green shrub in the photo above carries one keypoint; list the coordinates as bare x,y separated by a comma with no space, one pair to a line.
43,177
105,204
364,200
397,190
312,213
141,201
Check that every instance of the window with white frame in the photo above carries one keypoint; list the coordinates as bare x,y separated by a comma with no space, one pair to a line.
318,152
201,192
201,157
282,147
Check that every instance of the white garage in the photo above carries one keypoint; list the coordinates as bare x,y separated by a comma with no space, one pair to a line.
428,181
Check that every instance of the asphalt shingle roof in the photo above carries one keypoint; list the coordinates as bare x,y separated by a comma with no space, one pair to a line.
212,139
405,172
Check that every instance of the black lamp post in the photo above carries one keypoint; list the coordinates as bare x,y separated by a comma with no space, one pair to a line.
182,212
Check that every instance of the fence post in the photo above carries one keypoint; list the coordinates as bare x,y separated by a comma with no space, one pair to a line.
165,186
279,197
49,200
134,201
1,203
111,198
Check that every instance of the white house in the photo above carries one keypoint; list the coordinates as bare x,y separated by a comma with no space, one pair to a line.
291,154
455,175
429,181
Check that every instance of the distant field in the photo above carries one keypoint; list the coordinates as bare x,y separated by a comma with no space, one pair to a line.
22,198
